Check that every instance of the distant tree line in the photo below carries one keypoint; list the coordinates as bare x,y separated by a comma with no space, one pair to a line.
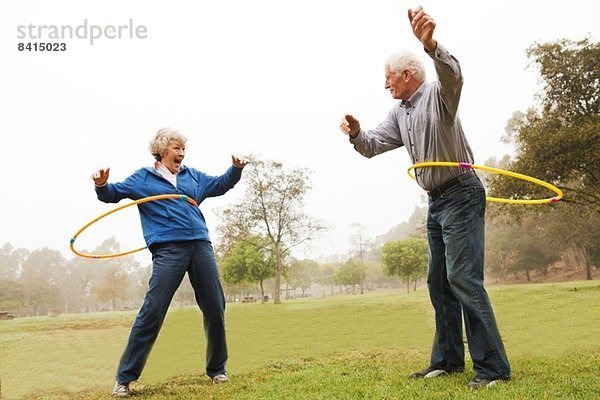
35,282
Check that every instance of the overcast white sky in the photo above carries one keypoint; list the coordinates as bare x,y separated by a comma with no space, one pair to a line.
265,77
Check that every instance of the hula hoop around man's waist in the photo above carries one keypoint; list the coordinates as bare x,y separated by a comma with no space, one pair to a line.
559,193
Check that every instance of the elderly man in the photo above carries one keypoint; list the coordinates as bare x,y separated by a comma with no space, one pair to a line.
426,122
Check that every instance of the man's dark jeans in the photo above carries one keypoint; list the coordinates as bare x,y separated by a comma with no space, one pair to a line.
170,262
455,226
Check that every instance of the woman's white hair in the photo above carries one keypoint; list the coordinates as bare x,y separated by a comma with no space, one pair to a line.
405,60
161,140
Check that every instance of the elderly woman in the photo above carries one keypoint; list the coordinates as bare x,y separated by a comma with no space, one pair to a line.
177,236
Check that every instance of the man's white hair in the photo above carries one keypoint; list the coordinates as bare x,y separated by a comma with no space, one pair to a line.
162,138
405,60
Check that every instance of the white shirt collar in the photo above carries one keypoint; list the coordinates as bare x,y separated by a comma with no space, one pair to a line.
164,171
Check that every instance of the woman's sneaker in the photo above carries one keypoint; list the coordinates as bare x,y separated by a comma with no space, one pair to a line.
121,390
221,378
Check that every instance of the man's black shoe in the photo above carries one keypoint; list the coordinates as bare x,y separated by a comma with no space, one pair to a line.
481,383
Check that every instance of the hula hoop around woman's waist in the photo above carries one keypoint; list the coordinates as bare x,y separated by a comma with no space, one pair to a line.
133,203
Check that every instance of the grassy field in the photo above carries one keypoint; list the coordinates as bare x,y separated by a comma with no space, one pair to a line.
348,347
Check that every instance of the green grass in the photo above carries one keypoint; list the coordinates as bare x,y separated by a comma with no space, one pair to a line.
346,347
378,375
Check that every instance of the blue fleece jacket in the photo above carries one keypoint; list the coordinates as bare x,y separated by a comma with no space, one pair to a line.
170,220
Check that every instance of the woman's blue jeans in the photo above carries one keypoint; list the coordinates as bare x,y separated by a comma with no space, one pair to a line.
455,228
170,262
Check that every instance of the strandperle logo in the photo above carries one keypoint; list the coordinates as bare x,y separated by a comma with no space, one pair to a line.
92,33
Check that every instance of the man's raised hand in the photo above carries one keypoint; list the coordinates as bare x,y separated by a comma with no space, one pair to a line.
350,126
423,26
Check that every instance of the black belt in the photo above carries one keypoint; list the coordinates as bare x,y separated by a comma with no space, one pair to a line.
438,191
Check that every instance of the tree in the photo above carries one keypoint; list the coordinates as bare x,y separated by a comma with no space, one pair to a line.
521,246
351,273
576,236
111,245
559,141
87,276
359,241
326,275
406,258
41,296
571,77
106,279
272,208
11,260
248,261
499,254
40,273
12,295
302,274
113,287
375,275
360,245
